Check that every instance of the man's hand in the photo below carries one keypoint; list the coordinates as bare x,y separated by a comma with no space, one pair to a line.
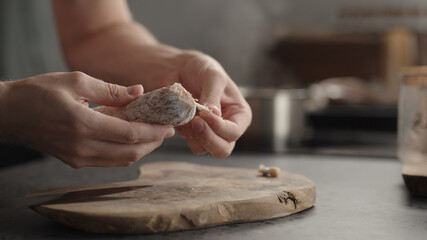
50,113
215,132
104,41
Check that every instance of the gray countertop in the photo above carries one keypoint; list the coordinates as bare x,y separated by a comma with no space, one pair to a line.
357,198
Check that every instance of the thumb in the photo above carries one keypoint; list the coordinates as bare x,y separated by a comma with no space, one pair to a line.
212,90
108,94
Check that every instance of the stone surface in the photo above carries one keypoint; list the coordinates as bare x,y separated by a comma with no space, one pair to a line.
357,198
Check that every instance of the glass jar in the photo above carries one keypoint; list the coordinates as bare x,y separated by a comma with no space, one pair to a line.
412,116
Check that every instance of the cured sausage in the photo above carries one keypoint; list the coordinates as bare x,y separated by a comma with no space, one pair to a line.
172,105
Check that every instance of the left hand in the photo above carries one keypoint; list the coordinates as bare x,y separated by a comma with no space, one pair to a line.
215,132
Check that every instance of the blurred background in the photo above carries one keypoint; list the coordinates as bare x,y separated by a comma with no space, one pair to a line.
321,76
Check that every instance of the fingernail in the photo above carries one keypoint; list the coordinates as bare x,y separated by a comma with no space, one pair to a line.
135,90
170,133
214,109
210,121
198,126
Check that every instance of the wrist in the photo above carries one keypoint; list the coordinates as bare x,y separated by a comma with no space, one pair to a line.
159,65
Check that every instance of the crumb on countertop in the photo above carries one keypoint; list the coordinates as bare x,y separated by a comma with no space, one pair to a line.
268,171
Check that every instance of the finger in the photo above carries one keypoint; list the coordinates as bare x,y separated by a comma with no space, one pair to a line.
213,85
104,127
80,153
224,128
107,94
217,146
187,133
117,155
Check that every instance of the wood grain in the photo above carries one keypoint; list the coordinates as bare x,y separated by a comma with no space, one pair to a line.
415,177
186,196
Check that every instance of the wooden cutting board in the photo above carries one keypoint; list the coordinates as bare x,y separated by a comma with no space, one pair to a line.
415,177
185,196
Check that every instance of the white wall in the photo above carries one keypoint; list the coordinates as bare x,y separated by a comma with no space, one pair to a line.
236,32
232,31
29,45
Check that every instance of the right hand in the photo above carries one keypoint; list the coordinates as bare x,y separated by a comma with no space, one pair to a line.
50,113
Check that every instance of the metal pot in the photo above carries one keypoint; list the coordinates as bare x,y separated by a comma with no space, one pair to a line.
278,119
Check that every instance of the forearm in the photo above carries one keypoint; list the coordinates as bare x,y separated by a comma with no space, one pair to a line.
105,42
126,54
